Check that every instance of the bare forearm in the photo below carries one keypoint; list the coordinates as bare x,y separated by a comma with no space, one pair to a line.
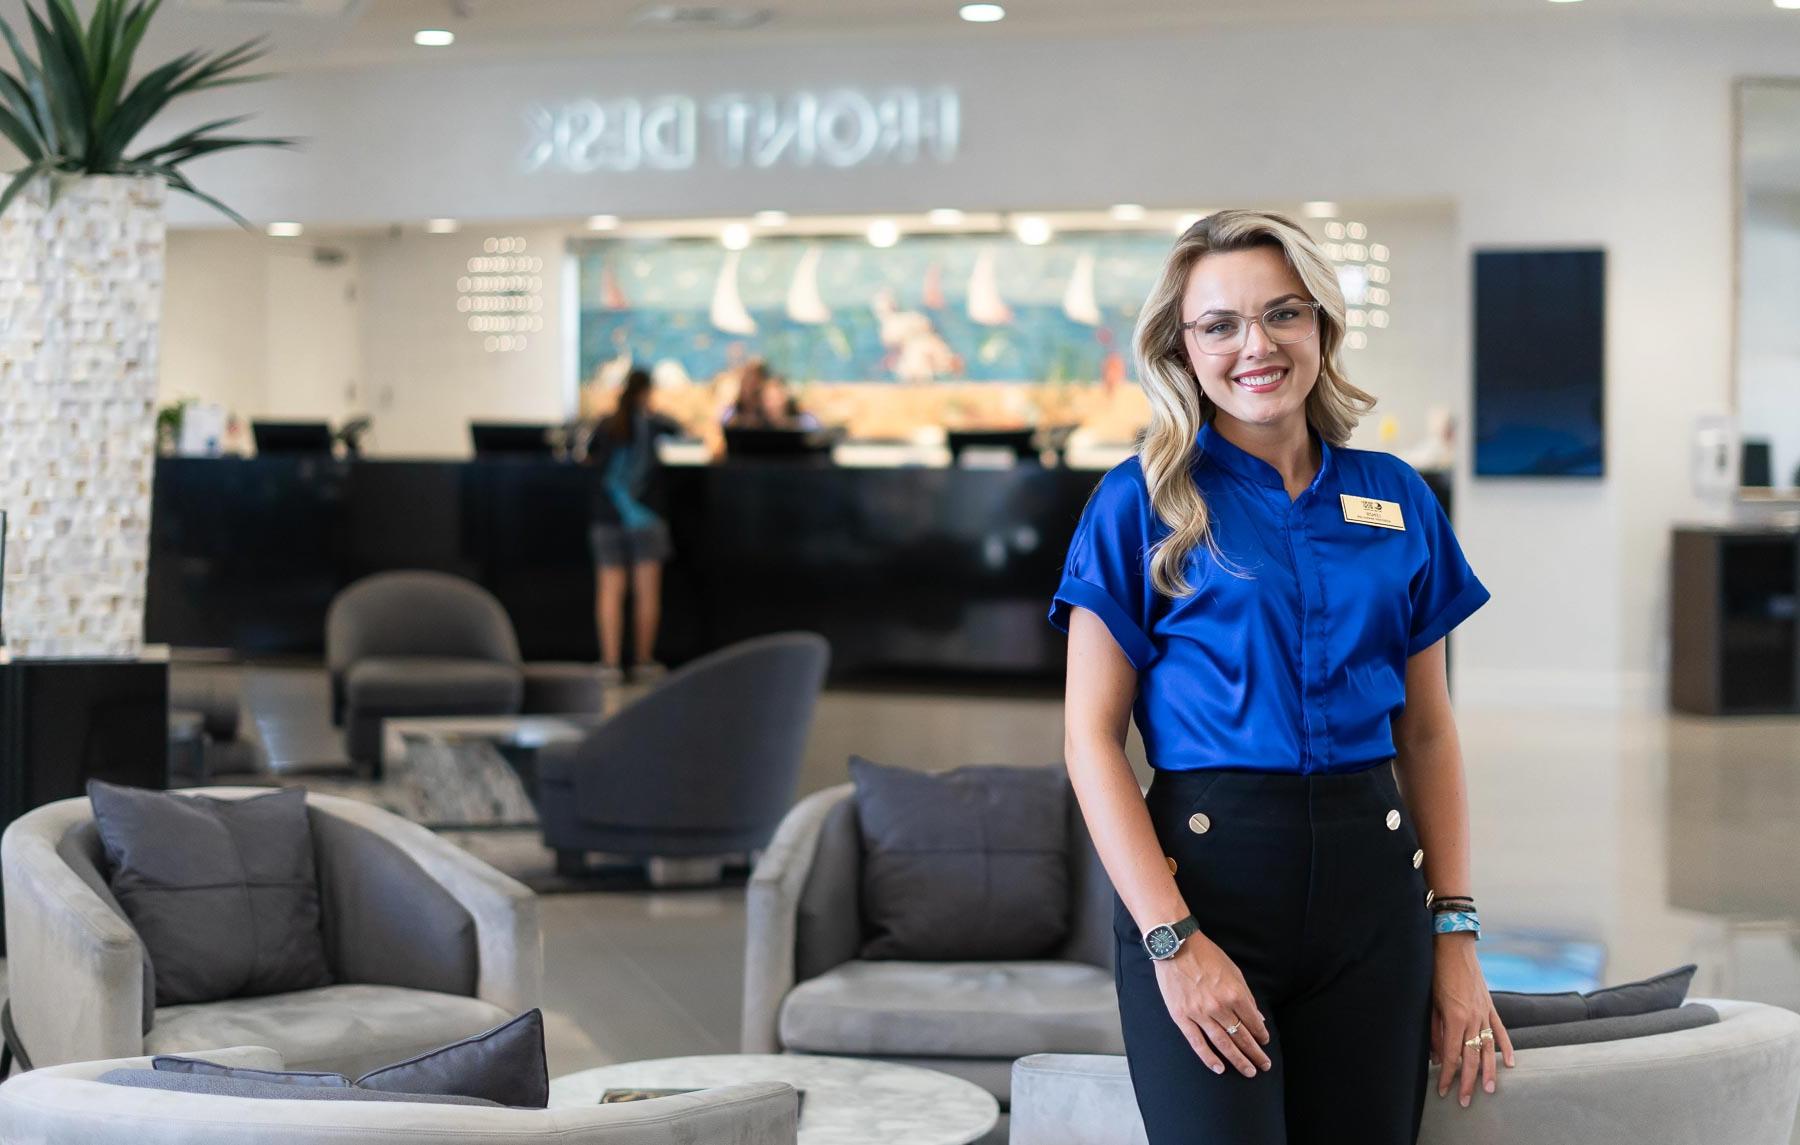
1113,806
1430,772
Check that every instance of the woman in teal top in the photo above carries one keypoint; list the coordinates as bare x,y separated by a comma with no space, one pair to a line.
627,530
1271,606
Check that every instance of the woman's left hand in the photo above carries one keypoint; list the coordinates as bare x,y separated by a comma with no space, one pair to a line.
1460,1009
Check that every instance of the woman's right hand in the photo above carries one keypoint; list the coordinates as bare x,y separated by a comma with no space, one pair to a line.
1206,992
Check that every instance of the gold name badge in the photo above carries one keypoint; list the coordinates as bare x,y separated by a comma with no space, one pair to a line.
1369,511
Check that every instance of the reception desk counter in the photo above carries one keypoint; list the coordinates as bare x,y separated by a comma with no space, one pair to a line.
904,569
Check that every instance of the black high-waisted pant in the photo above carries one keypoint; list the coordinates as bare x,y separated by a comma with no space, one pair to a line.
1304,883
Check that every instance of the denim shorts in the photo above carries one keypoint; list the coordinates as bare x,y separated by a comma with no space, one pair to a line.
616,546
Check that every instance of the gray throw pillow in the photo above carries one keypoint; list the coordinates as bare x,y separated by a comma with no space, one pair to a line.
166,1063
1663,991
963,865
505,1065
215,1086
1614,1029
221,891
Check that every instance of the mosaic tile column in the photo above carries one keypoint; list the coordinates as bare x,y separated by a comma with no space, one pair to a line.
80,302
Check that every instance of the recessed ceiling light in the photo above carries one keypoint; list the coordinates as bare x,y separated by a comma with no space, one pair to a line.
1127,212
1319,209
285,230
981,13
1788,4
735,236
434,38
602,222
1033,230
884,233
771,218
441,226
945,216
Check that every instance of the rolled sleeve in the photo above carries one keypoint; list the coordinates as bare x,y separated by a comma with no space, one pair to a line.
1446,591
1107,565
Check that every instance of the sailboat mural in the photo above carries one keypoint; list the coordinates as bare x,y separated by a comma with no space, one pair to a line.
804,305
1078,300
728,313
986,307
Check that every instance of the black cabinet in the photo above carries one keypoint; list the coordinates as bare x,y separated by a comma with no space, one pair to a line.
1734,644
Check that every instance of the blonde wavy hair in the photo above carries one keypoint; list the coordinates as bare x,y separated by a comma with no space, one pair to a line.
1178,407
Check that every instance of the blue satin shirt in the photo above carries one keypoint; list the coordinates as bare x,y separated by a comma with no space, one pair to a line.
1301,668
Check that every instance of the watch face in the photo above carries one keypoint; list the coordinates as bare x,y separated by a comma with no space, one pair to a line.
1161,942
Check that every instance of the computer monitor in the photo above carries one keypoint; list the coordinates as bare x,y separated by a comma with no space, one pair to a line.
1019,441
743,441
291,436
510,439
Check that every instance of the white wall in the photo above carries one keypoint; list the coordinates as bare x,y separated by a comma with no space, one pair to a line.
1769,329
1542,130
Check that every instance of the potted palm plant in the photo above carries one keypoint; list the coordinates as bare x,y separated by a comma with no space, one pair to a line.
81,273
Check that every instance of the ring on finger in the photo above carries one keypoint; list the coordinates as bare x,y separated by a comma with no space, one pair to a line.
1474,1041
1233,1028
1487,1033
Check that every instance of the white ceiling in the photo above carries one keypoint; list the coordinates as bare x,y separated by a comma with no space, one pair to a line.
340,33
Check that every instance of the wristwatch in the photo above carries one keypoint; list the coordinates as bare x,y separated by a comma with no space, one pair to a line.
1163,941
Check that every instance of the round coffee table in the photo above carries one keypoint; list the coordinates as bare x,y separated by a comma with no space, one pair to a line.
849,1101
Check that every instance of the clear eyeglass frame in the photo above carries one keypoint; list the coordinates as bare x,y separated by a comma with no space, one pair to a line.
1261,320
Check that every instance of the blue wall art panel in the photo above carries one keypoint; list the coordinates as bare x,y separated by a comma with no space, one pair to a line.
983,307
1540,377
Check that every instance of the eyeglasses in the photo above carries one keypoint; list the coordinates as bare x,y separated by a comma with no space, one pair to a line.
1225,333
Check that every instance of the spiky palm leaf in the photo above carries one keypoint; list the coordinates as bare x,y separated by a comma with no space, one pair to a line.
71,110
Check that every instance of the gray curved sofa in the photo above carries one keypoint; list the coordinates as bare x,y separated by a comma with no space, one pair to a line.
423,643
65,1105
702,766
1736,1081
807,991
426,944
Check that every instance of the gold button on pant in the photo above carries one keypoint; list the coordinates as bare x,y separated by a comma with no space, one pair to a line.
1393,820
1418,859
1198,823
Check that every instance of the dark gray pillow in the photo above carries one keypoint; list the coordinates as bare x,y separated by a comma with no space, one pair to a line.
215,1086
963,865
505,1065
170,1064
221,891
1614,1029
1663,991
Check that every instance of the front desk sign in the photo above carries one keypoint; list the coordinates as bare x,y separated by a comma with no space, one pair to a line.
841,128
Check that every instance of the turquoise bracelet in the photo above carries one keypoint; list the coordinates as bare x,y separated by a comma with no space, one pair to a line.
1451,921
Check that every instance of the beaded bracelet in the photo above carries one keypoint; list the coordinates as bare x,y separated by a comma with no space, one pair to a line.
1452,921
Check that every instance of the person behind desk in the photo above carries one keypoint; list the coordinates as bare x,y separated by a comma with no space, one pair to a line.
764,402
627,529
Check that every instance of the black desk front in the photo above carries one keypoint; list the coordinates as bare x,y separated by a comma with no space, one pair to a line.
904,570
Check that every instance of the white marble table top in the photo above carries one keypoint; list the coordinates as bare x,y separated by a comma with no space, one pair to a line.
849,1101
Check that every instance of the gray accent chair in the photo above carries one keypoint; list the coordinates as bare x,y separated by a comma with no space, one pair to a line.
66,1104
806,991
702,766
1737,1080
421,643
425,943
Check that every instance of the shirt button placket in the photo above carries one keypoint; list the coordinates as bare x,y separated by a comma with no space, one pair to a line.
1312,641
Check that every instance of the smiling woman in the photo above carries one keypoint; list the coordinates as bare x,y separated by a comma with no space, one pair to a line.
1270,605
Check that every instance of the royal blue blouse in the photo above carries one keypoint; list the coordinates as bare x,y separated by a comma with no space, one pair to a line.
1301,665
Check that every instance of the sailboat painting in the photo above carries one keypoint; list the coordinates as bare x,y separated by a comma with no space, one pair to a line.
836,309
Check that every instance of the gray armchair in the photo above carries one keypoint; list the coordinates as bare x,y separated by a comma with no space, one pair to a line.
422,643
67,1104
703,766
1736,1081
426,944
805,989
